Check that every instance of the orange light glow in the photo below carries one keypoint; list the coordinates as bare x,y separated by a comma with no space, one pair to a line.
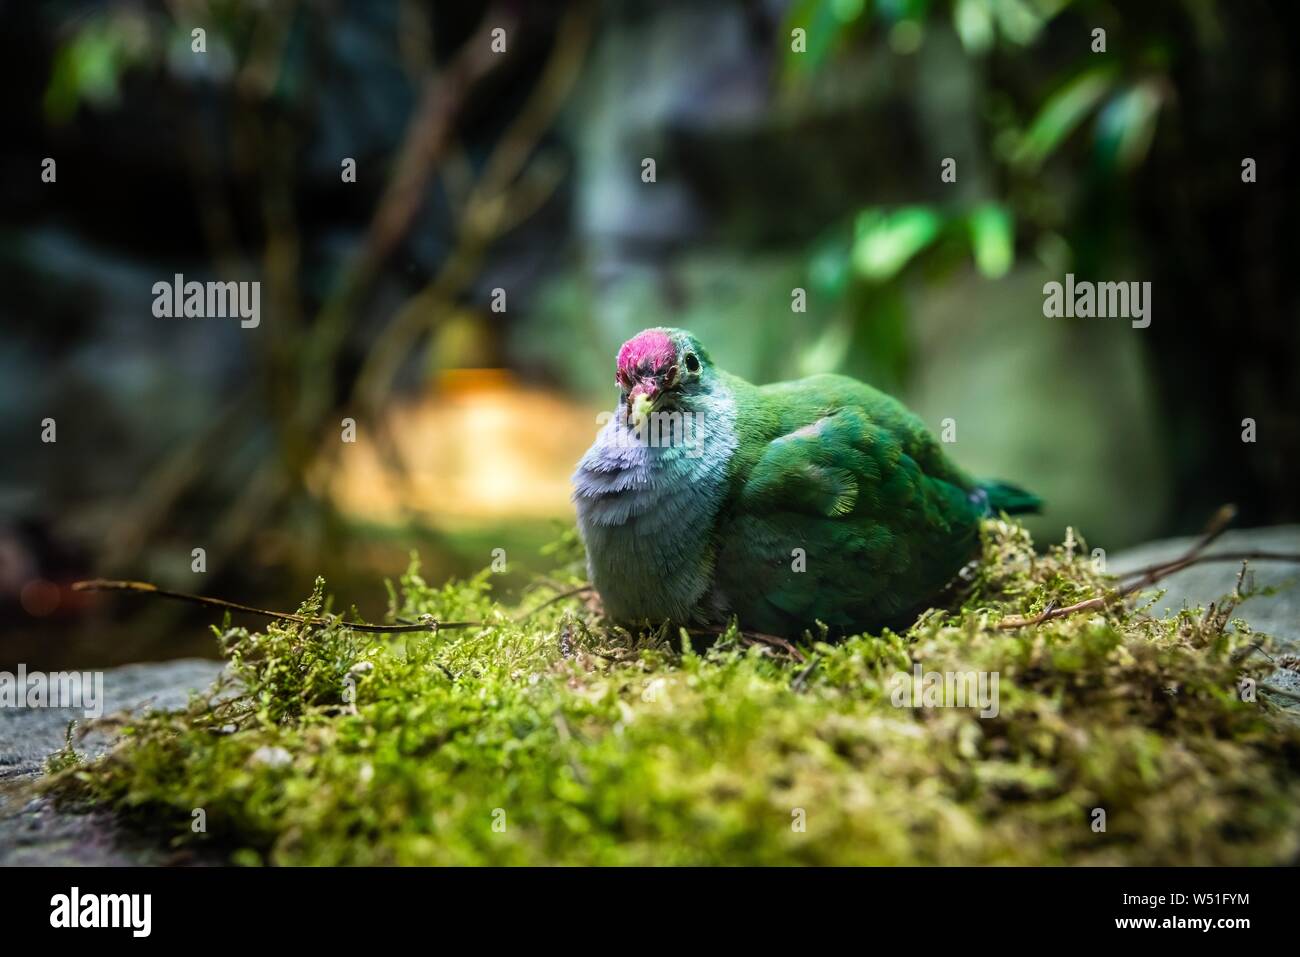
479,446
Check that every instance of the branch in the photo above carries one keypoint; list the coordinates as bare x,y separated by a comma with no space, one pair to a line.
755,638
571,593
1259,556
425,140
1216,527
497,200
426,624
146,588
1149,576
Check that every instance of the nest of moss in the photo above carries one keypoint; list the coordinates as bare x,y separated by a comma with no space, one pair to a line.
1118,738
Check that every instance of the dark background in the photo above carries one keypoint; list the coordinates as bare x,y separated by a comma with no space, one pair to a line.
521,171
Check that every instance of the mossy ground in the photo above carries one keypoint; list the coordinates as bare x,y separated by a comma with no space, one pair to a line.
558,740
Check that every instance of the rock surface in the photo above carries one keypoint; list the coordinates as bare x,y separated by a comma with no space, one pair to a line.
1275,614
33,831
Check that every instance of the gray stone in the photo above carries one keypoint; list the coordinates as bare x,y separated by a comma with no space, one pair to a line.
1276,614
32,830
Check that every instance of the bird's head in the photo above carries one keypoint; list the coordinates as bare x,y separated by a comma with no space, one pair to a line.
660,369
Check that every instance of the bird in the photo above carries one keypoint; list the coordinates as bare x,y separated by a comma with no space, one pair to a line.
785,507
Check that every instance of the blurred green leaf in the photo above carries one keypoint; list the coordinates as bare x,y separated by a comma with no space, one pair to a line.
1062,113
846,11
884,242
89,66
881,352
973,21
828,351
992,235
1019,21
1127,125
895,11
829,269
824,22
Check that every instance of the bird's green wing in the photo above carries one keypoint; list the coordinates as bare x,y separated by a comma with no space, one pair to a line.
853,516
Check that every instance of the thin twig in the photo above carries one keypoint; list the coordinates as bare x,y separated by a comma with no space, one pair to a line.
1260,556
755,637
1216,527
571,593
146,588
802,677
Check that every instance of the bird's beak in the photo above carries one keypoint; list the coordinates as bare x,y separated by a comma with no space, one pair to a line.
641,401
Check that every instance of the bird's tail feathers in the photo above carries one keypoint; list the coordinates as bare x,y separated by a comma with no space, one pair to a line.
1012,499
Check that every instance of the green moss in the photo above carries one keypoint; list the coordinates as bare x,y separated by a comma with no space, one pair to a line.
557,740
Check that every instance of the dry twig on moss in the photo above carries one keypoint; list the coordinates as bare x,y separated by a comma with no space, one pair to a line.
1147,576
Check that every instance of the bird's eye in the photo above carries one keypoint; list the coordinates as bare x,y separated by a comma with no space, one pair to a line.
692,363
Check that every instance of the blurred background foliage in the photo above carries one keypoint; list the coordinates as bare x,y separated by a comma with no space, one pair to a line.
797,146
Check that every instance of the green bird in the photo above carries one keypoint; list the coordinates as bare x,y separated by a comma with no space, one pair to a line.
821,500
